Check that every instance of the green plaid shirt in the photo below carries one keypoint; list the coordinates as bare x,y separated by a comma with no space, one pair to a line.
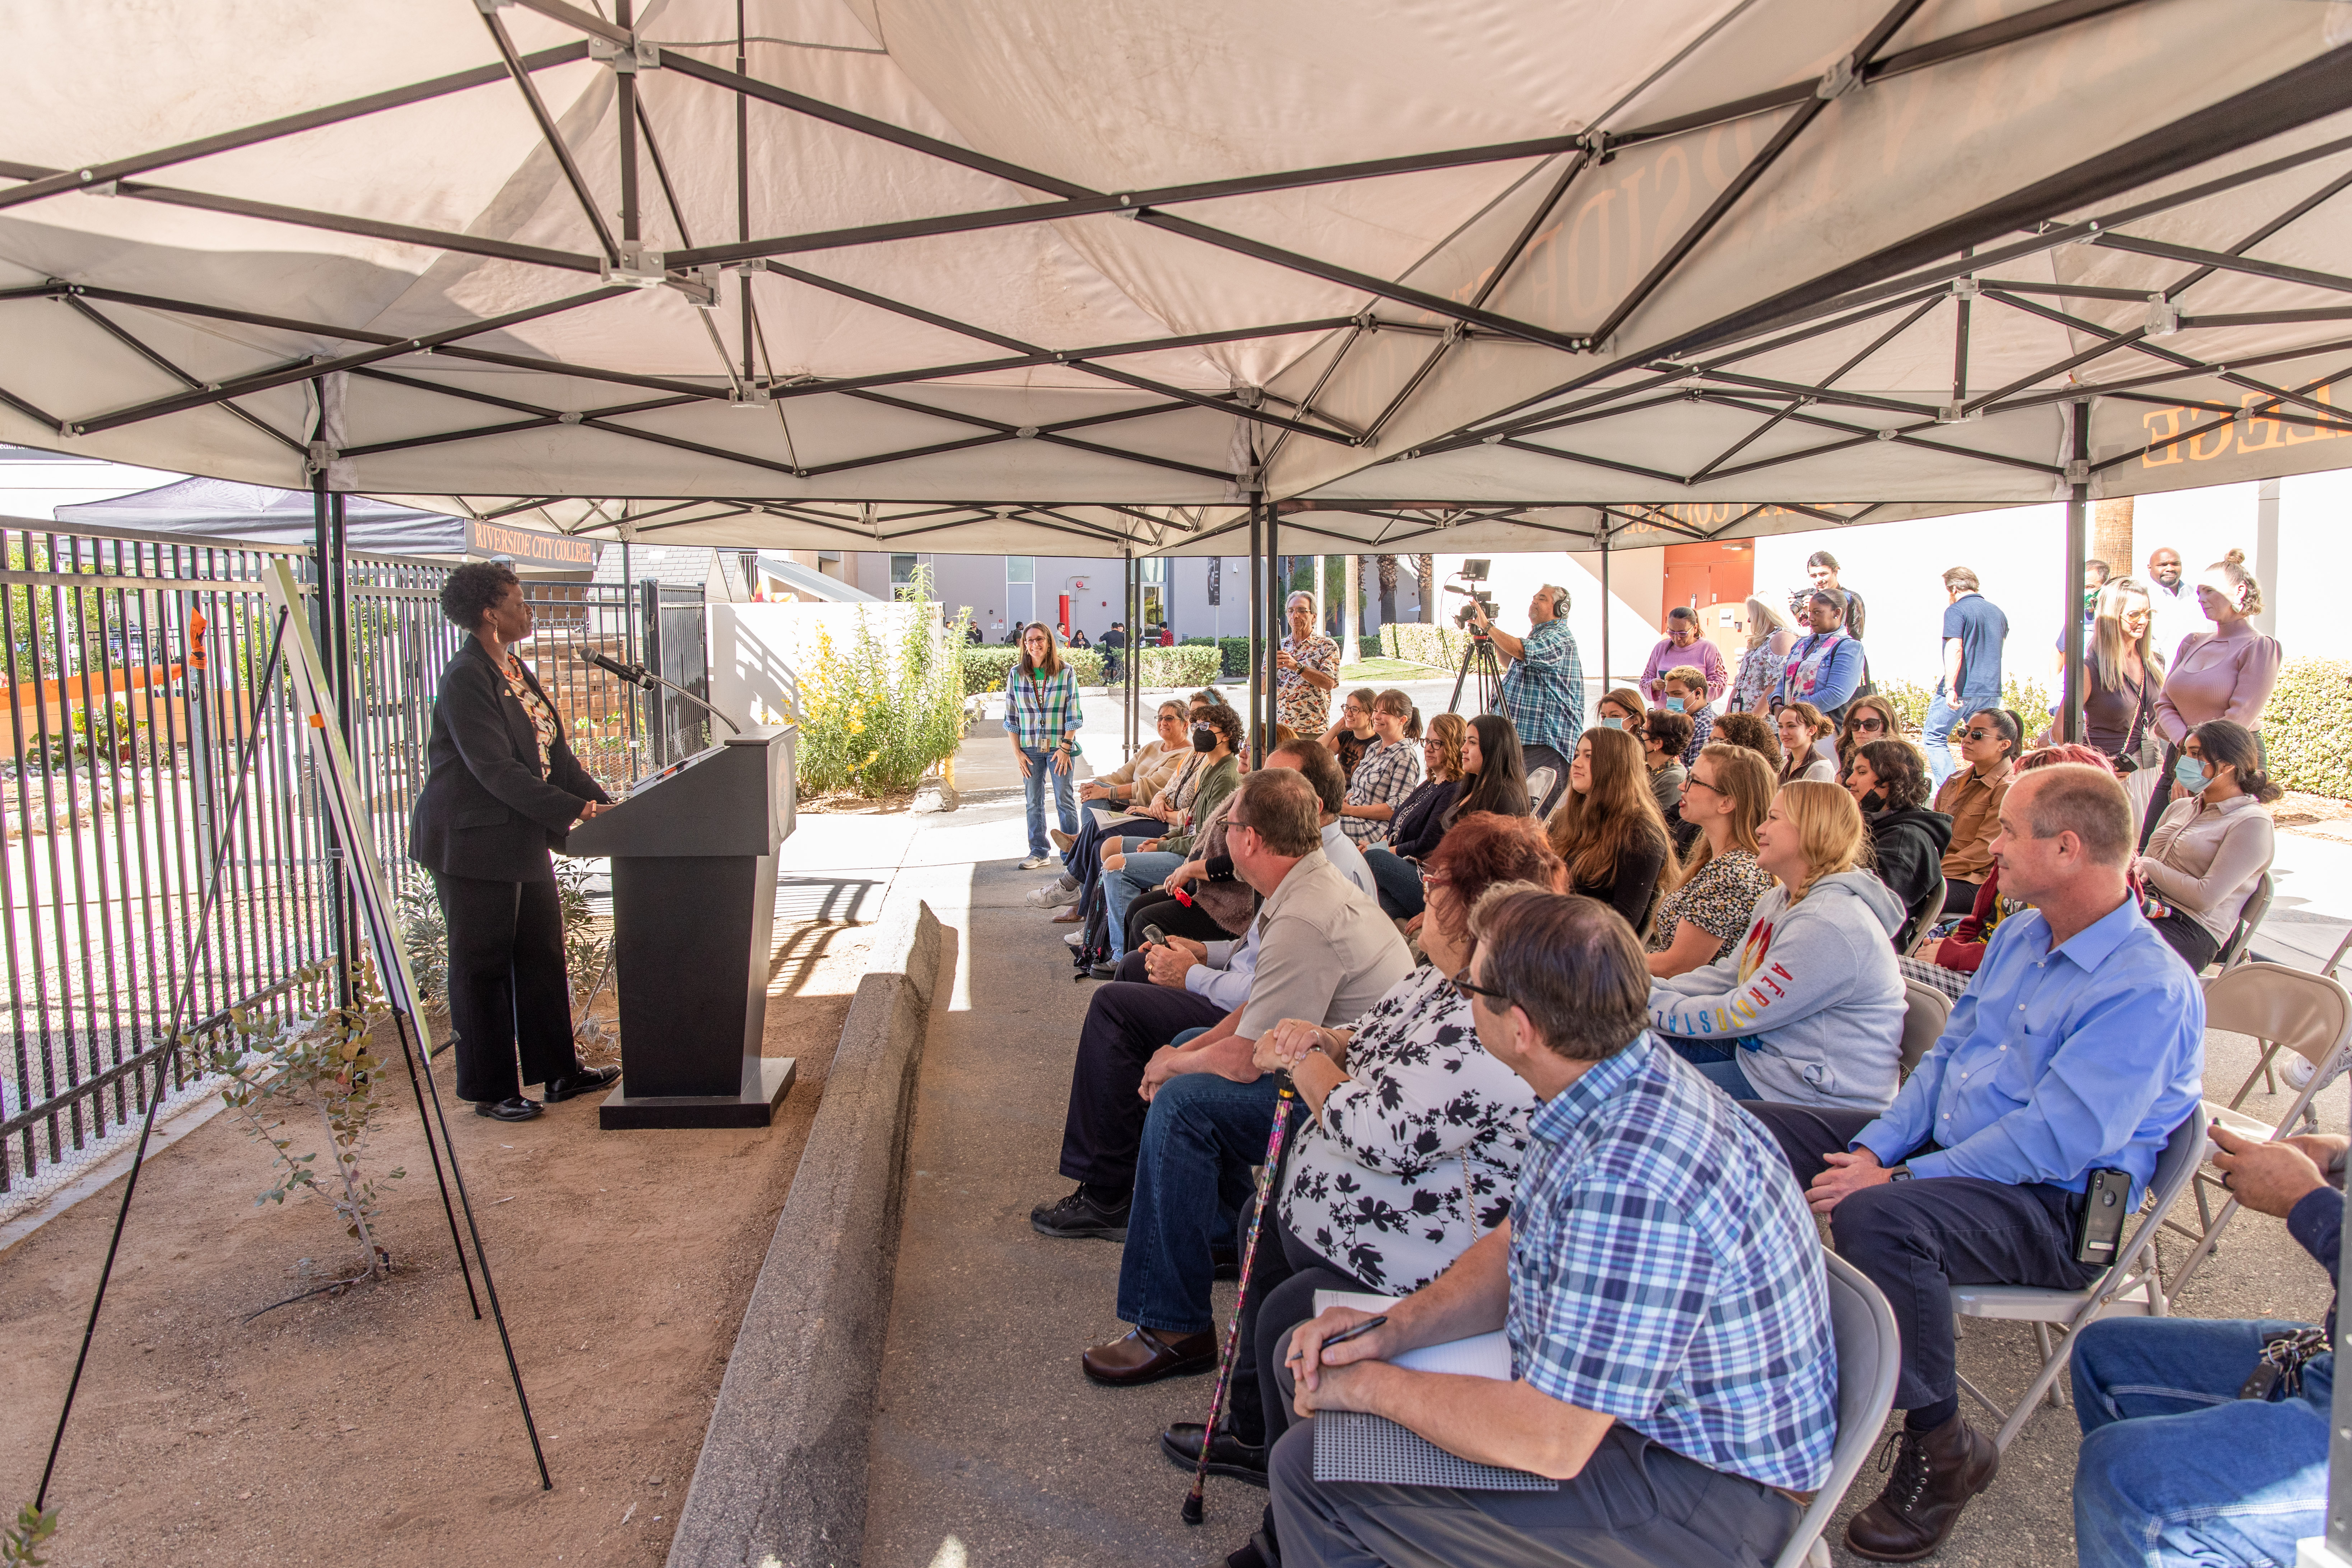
1039,711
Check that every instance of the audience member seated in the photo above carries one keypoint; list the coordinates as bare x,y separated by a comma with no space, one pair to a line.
1324,952
1663,736
1608,828
1806,751
1621,707
2081,1046
1971,797
2209,851
1217,737
1660,1284
1494,772
1411,1143
1867,719
1353,735
1711,896
1809,1010
1686,687
1755,732
1178,771
1952,963
1389,770
1141,778
1889,779
1421,821
2178,1465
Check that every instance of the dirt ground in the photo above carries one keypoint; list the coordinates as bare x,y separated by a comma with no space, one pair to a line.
380,1427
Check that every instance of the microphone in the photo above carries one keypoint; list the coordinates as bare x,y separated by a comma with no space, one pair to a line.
633,674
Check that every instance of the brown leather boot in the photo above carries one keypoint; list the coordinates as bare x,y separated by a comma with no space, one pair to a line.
1935,1474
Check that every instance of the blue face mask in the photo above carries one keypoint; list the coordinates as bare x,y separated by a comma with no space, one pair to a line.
1613,723
2192,775
1673,704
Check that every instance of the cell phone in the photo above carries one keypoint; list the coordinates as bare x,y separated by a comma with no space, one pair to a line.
1155,936
2107,1203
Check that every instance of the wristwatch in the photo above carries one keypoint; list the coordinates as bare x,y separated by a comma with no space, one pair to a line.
1899,1173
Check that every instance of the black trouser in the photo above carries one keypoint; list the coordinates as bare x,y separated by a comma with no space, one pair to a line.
1124,1023
1173,917
1546,757
1283,1282
506,984
1918,1239
2192,941
1959,898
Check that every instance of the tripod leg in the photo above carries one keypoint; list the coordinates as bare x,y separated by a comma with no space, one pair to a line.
1453,703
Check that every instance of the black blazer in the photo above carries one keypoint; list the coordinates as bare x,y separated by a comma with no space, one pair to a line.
488,809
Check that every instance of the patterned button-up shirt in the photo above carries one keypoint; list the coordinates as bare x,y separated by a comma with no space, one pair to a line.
1664,1271
1543,692
1039,711
1387,773
534,706
1702,720
1298,702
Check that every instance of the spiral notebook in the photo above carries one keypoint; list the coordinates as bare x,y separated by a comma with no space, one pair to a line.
1350,1445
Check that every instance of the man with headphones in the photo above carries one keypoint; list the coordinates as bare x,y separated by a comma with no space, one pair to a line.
1543,690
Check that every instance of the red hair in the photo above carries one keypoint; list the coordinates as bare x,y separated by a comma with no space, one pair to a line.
1483,850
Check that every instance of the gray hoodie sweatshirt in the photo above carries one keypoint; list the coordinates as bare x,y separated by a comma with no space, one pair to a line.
1816,990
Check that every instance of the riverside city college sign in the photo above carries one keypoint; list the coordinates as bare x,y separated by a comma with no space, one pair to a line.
526,547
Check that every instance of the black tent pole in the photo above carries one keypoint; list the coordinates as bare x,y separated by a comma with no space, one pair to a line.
1276,590
1260,740
2078,550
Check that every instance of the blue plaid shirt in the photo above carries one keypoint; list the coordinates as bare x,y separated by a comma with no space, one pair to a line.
1664,1271
1038,714
1543,692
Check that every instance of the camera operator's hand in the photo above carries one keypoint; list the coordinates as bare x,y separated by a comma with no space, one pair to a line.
1478,614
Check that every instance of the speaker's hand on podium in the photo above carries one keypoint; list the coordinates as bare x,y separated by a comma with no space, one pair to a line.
592,808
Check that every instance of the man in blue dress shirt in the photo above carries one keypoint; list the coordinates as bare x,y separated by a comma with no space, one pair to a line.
2079,1047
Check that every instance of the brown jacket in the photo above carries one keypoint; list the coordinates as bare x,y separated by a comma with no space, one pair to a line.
1973,803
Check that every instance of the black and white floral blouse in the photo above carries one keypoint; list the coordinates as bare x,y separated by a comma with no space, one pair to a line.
1417,1154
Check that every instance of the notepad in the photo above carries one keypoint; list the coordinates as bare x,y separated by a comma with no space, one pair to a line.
1350,1445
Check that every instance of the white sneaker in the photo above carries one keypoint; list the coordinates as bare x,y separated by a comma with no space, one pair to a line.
1037,862
1075,938
1052,896
2297,1072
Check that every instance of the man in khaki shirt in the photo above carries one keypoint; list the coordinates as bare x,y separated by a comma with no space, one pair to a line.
1160,1139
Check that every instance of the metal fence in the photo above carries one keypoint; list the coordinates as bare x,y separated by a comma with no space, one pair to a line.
135,666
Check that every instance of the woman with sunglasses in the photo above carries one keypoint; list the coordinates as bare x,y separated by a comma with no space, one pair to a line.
1607,826
1421,821
1407,1115
1809,1010
1971,797
1867,719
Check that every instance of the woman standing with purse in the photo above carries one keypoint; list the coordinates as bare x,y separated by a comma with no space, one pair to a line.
501,790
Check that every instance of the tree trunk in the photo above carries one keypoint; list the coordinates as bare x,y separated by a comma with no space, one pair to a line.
1352,580
1388,565
2111,536
1425,566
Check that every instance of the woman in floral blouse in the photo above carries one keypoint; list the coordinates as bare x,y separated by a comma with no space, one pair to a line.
1412,1148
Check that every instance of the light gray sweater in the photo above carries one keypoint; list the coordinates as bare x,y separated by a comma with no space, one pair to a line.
1814,990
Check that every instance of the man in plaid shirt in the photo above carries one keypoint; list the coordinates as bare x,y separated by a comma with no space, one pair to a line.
1543,692
1660,1282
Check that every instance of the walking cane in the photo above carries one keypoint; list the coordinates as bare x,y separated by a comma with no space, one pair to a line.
1241,1296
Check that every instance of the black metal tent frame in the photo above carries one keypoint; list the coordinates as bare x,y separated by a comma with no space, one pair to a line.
1907,284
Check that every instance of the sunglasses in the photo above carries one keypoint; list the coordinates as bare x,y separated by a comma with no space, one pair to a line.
1980,734
1868,725
1465,989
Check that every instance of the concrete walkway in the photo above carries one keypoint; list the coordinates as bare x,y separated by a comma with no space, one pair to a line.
991,1450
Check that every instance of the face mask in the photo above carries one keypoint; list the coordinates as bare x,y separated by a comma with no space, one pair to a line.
1614,723
1673,704
1874,801
1203,738
2192,775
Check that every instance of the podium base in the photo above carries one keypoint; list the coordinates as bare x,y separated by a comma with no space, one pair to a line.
766,1081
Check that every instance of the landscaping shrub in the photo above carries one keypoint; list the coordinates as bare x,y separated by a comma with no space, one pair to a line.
1438,645
872,719
1181,666
2029,697
986,668
2307,728
1234,653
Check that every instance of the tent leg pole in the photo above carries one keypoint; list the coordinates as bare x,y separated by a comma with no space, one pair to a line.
1277,590
1604,604
2078,552
1260,740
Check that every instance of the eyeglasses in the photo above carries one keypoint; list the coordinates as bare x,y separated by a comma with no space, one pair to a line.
1465,989
1868,725
1694,782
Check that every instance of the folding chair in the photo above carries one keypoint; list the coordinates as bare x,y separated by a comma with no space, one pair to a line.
1925,1011
1539,785
2131,1286
2250,918
2283,1008
1868,1360
1922,915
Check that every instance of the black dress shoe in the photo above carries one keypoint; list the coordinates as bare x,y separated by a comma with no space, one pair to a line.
1078,1217
1146,1355
1228,1455
578,1083
1225,1263
514,1107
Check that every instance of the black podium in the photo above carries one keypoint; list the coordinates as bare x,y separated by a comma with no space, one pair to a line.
694,904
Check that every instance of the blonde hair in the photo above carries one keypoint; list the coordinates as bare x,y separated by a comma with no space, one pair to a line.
1746,780
1830,827
2236,584
1689,677
1764,622
2106,653
1447,730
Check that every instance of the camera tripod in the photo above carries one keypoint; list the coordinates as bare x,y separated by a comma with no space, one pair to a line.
1478,658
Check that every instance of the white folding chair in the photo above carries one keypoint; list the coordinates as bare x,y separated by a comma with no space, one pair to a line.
1925,1011
1539,785
2250,918
2130,1287
1868,1361
2283,1009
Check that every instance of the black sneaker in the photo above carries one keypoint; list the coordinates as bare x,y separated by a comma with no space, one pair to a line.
1228,1455
1078,1217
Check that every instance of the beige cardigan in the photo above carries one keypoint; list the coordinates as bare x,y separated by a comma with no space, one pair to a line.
1145,773
2205,860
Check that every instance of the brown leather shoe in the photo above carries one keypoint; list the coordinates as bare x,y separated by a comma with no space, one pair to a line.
1144,1355
1071,915
1935,1474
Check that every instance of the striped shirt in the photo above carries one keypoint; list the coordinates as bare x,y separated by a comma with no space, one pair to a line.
1664,1271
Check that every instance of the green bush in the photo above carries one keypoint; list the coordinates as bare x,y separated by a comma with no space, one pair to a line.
2307,727
1438,645
1369,647
1182,665
874,720
2029,697
986,668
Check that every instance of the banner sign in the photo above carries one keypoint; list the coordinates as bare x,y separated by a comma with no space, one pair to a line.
526,547
1216,579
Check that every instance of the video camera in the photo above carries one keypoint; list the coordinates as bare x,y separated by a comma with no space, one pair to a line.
1474,572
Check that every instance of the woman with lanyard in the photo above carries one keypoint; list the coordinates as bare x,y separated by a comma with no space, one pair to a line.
1042,716
2226,673
1389,771
501,790
1826,669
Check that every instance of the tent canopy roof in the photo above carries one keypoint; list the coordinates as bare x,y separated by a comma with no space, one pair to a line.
1027,276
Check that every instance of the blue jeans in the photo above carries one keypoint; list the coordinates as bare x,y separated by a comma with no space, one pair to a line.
1033,790
1399,882
1145,870
1718,1061
1935,734
1200,1138
2175,1468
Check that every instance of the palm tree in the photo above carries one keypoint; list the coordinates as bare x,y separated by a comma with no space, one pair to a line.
1426,565
1388,570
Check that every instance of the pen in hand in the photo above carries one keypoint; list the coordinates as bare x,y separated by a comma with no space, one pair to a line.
1344,1335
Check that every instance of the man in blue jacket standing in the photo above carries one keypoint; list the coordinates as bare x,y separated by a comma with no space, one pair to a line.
1826,669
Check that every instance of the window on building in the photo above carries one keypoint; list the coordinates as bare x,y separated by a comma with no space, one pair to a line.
902,569
1155,568
1021,568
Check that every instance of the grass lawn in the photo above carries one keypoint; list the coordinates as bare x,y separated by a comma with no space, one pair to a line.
1372,669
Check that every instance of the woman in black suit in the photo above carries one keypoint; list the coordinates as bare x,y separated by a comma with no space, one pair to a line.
502,791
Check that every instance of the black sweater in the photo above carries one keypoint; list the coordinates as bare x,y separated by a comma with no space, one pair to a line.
1629,890
1419,822
1907,849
